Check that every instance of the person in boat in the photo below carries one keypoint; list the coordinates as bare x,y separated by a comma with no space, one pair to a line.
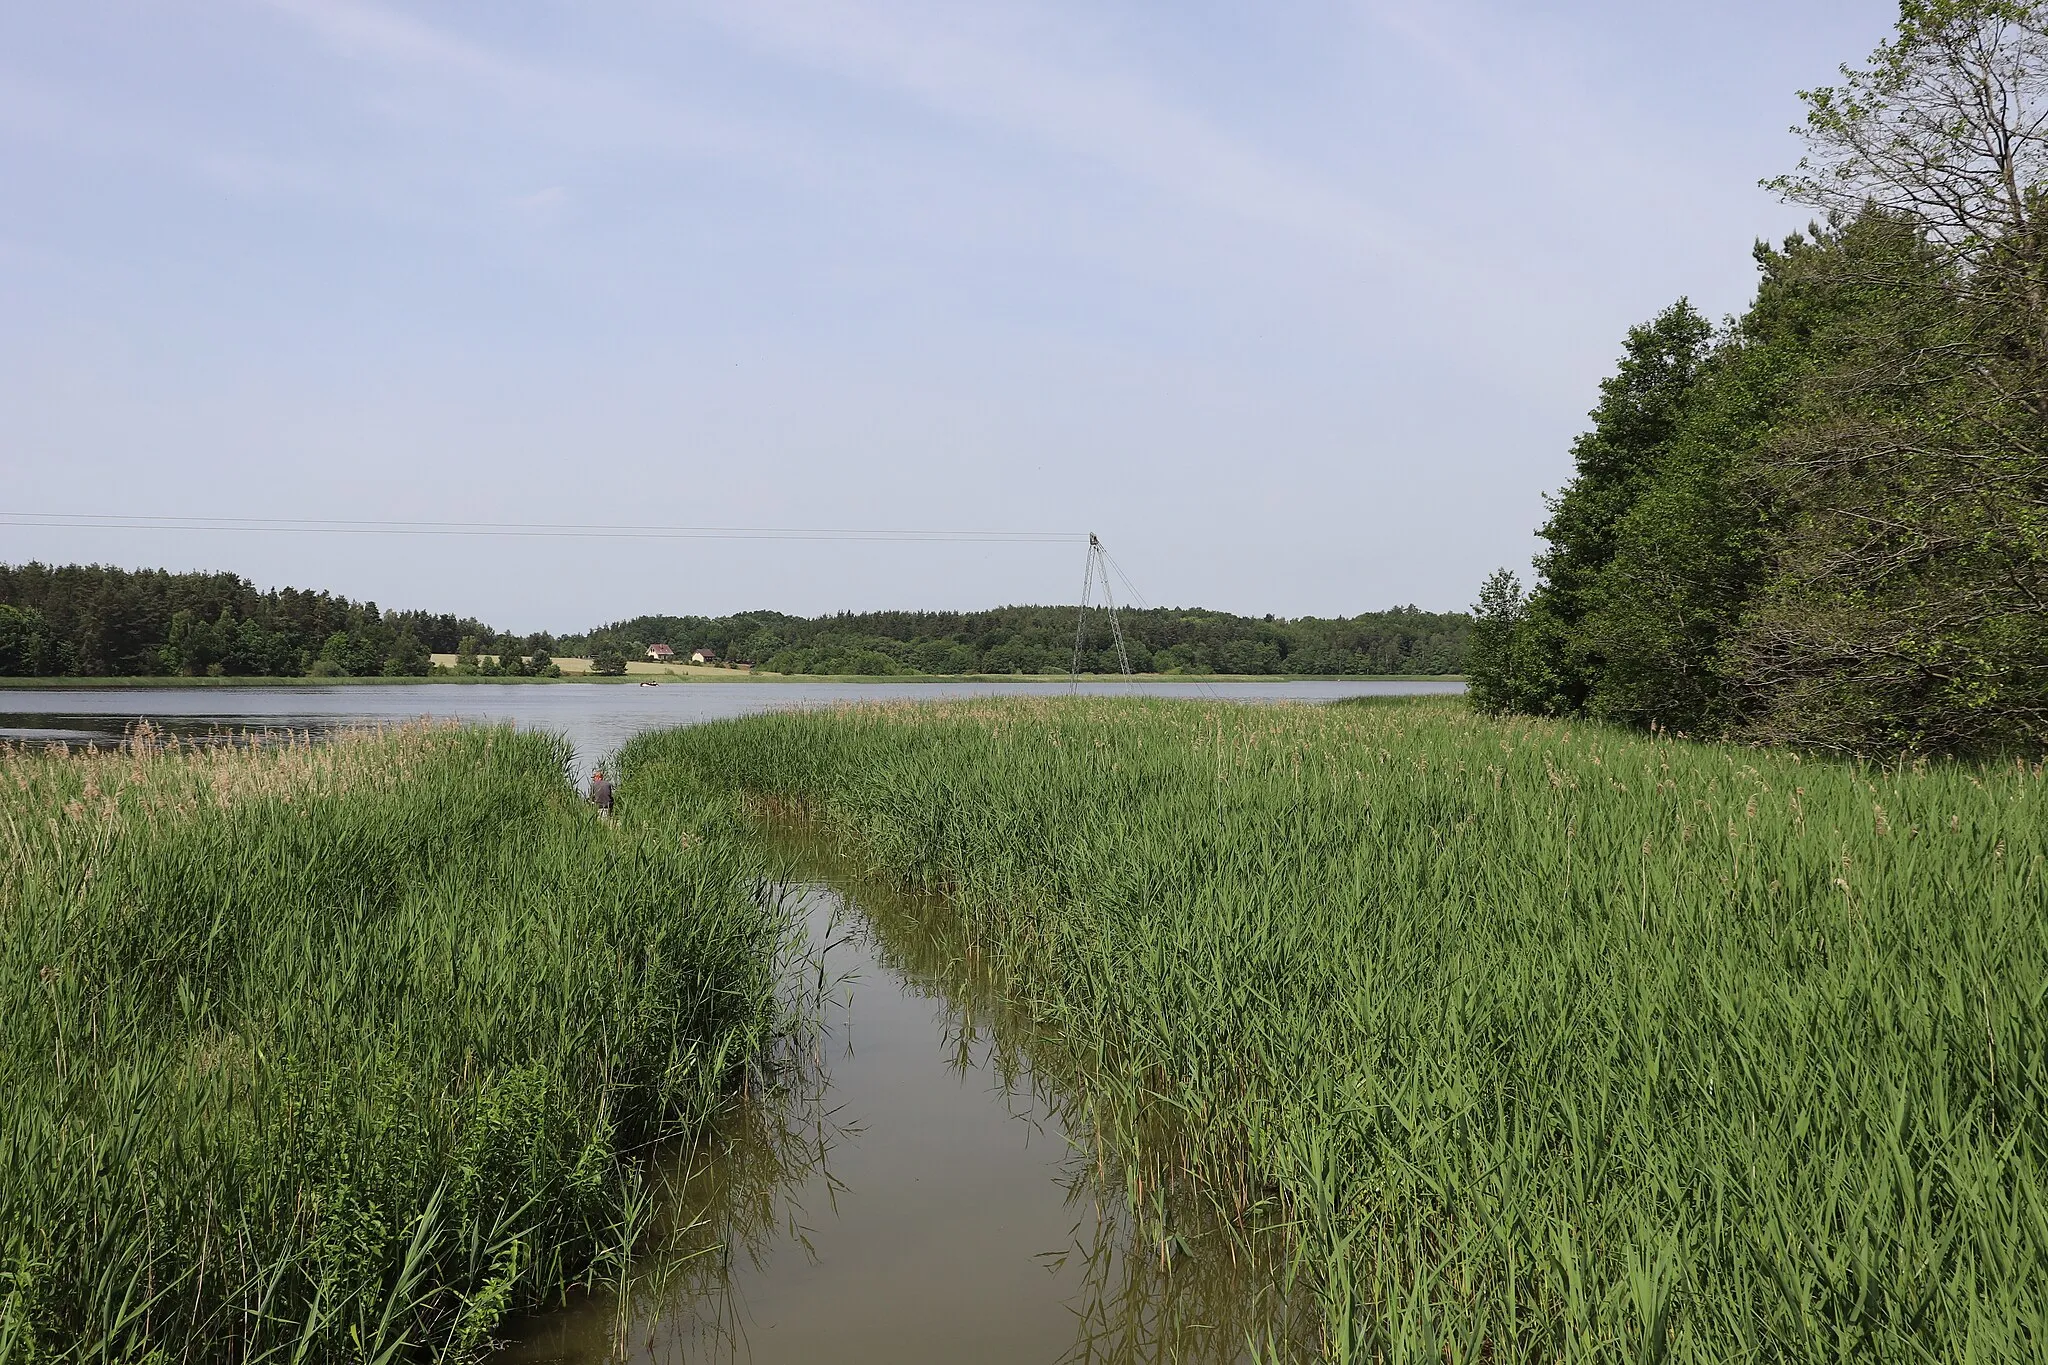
601,793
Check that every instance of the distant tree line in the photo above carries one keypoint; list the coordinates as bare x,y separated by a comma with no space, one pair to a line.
1040,640
515,658
96,621
81,620
1826,523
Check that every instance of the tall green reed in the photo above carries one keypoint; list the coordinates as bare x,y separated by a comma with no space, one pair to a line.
343,1051
1549,1040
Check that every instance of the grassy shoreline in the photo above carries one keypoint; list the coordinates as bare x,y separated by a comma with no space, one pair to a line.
334,1051
1554,1041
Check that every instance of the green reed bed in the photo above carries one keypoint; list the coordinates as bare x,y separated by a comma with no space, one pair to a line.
342,1051
1552,1041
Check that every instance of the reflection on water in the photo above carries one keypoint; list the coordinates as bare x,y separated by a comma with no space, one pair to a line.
911,1186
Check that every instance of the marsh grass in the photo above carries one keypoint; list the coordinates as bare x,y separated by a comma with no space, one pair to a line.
1545,1041
1160,1277
347,1050
1163,1274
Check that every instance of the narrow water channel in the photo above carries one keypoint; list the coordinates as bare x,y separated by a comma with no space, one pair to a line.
915,1190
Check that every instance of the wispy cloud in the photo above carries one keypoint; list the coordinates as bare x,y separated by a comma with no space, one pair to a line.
369,31
1573,116
593,108
1008,69
78,125
547,206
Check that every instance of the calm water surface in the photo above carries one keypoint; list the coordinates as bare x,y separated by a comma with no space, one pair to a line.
598,717
915,1188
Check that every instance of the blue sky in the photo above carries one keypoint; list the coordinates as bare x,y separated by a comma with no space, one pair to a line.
1299,305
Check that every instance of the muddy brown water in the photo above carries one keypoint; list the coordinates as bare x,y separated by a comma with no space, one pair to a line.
915,1188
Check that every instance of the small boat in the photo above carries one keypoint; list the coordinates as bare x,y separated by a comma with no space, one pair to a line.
648,684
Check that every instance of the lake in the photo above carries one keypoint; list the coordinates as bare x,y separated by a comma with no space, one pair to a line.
597,717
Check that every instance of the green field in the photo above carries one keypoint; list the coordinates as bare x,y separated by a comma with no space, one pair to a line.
1550,1041
343,1052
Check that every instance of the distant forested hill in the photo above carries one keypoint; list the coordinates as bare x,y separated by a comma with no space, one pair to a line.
90,620
1405,640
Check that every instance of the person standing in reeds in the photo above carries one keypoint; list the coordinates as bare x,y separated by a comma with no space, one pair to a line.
601,793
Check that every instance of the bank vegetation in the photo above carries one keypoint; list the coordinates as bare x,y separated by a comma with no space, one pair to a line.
1825,523
343,1051
1546,1040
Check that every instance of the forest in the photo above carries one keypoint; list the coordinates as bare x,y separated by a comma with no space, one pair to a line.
97,621
80,620
1824,523
1404,640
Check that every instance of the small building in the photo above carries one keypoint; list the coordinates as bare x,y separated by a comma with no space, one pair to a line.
703,656
660,653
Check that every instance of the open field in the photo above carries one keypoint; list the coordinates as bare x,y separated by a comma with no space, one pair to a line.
575,666
340,1051
1553,1042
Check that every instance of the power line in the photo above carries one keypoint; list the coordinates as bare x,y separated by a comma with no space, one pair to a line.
526,530
1130,589
1098,571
